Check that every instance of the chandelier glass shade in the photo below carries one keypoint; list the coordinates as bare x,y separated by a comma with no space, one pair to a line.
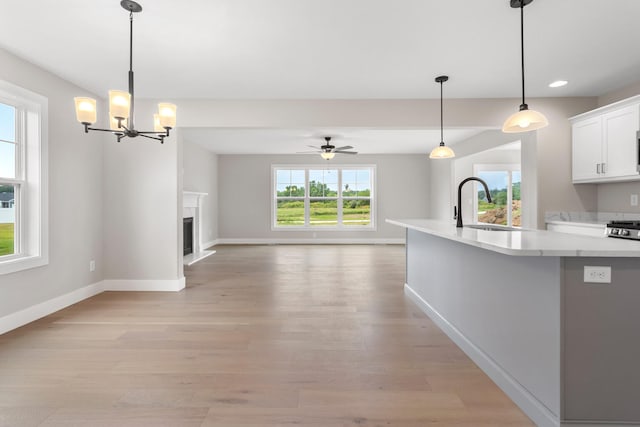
121,103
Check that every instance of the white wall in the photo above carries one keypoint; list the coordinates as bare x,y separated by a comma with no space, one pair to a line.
402,191
75,195
142,201
200,173
551,151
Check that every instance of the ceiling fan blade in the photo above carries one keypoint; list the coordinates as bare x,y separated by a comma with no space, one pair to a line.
346,147
314,147
308,152
346,152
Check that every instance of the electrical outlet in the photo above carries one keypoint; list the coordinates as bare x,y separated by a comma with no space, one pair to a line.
634,200
597,274
92,265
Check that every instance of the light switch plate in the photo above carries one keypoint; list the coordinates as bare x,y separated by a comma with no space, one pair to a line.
597,274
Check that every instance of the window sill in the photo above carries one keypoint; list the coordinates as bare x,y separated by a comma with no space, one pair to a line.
20,263
317,229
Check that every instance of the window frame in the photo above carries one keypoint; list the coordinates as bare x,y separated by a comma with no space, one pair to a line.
31,243
510,168
339,198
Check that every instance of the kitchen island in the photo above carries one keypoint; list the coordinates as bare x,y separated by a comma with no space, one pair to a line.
566,351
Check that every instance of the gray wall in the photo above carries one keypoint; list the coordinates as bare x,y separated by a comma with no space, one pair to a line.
200,173
402,191
75,196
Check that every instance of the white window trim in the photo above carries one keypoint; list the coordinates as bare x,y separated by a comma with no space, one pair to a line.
373,226
495,167
32,209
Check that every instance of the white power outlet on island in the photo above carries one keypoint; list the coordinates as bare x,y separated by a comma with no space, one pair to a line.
634,200
597,274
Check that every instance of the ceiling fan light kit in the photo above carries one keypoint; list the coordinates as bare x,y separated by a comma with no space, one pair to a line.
441,151
524,120
121,103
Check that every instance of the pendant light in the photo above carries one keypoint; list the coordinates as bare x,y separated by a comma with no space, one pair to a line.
441,151
524,120
121,103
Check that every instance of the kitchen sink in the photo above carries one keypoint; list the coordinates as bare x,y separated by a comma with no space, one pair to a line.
492,227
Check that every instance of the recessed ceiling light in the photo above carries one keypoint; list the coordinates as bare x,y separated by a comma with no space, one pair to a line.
558,83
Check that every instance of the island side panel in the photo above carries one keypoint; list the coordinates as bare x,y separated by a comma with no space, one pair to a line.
601,366
507,306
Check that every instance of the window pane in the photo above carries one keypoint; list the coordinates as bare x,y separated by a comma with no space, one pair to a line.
323,183
323,213
356,212
7,219
516,204
290,183
496,212
7,160
290,213
7,123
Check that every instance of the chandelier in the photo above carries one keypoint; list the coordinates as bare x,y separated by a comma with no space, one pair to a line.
121,103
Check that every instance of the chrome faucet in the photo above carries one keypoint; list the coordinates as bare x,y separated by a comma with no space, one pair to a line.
458,213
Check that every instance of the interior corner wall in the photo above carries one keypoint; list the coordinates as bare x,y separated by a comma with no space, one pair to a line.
75,195
401,191
200,174
141,198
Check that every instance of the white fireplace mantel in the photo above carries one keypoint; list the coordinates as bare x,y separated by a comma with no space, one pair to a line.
192,207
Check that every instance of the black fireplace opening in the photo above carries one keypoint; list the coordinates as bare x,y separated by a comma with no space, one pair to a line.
187,235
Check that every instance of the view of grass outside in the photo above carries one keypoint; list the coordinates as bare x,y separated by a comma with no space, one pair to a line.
324,198
497,211
6,239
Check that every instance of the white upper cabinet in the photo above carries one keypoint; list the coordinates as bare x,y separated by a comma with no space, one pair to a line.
605,143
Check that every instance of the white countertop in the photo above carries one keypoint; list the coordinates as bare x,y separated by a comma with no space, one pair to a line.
526,242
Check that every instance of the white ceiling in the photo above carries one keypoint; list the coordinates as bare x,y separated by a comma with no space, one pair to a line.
329,49
292,141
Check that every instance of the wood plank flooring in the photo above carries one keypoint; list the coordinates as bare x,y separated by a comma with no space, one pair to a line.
263,336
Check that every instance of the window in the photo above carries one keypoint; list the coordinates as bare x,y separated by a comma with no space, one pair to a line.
504,185
23,237
323,198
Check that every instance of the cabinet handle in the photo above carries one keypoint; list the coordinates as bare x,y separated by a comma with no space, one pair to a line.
598,168
603,168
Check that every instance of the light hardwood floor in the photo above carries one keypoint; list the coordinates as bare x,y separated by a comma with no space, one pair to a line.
263,336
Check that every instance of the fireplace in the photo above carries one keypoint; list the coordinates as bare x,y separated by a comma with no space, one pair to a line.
187,224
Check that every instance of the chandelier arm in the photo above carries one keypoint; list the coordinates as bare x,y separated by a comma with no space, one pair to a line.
102,130
161,138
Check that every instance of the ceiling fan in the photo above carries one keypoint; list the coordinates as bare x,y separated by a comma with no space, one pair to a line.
328,151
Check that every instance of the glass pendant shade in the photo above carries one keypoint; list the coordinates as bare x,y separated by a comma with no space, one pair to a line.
156,123
86,110
524,121
327,155
442,152
167,115
119,104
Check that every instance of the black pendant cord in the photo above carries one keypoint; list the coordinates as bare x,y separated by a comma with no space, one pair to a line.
441,119
524,104
131,125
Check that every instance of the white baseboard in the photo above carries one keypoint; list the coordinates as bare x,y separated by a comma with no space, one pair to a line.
174,285
210,243
35,312
30,314
531,406
298,241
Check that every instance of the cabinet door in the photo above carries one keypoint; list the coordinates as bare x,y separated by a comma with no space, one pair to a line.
587,149
620,129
